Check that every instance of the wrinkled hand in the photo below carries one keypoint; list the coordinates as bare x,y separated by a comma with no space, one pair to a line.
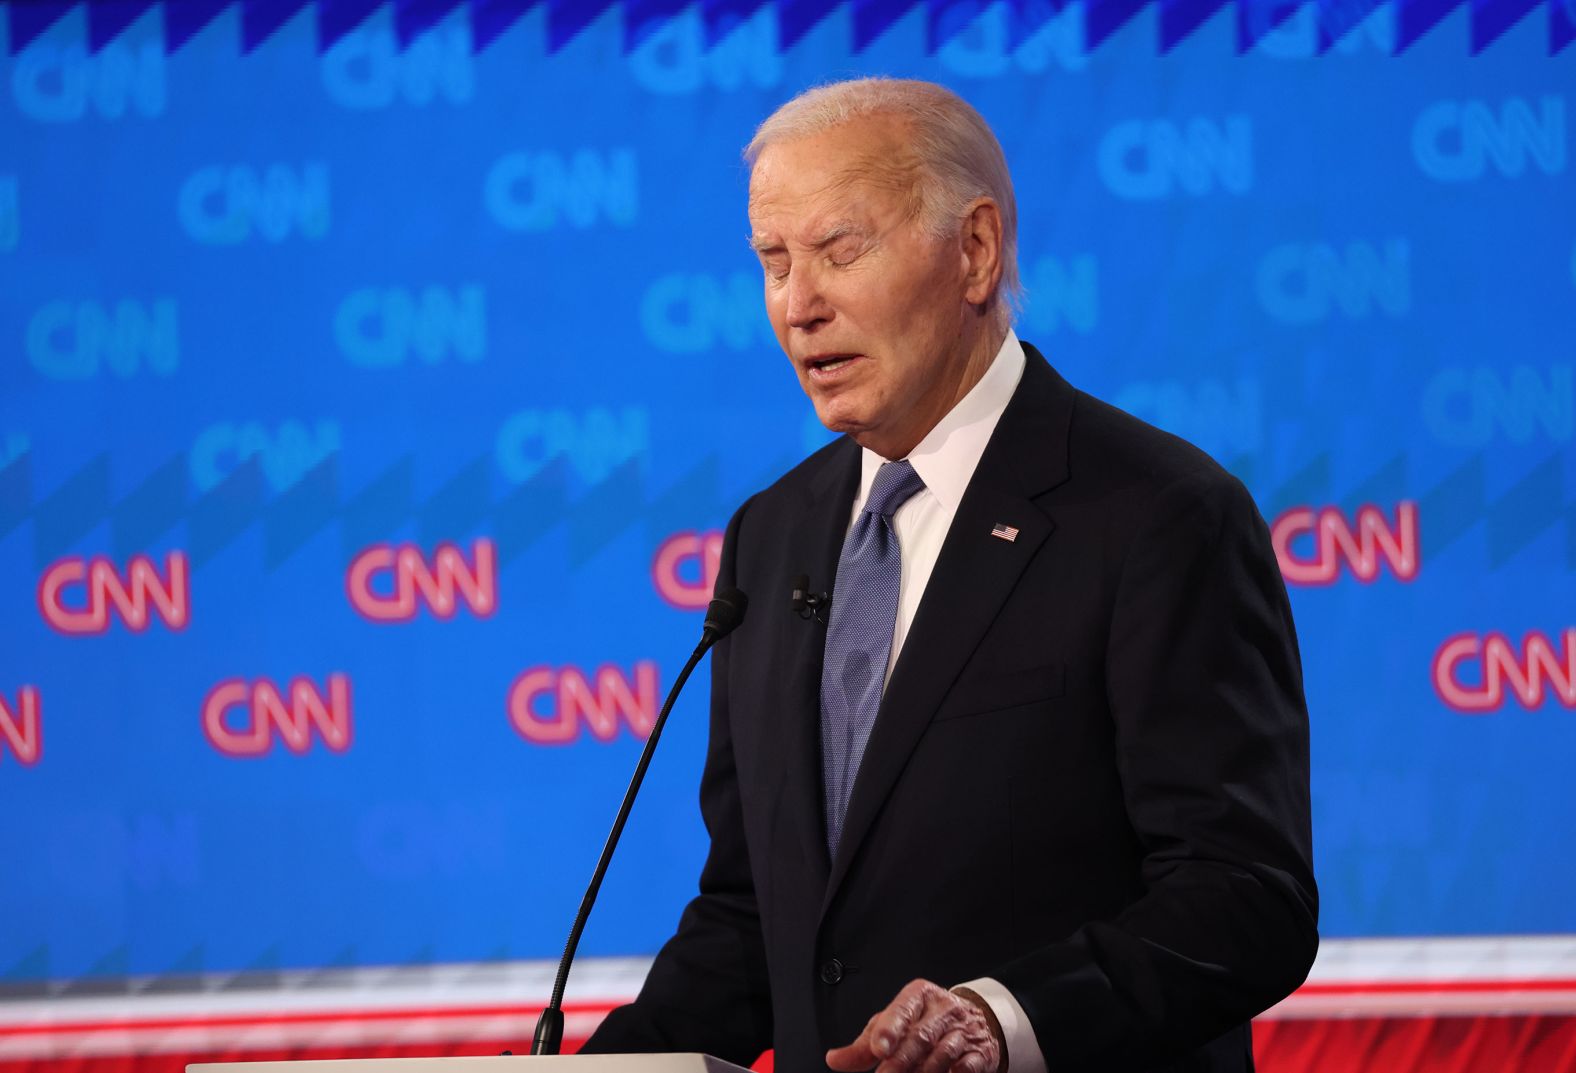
926,1029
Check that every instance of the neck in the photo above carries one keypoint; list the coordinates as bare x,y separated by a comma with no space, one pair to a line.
971,368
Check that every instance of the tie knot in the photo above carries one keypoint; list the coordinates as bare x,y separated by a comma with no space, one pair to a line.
895,484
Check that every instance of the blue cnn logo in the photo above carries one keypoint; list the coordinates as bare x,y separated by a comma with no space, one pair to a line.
1224,418
1457,141
1061,292
223,205
381,327
1471,407
74,340
366,70
284,451
1305,283
594,442
984,48
64,84
1148,159
674,60
10,213
688,312
542,190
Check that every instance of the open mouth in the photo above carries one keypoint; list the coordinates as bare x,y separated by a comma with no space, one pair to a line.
831,363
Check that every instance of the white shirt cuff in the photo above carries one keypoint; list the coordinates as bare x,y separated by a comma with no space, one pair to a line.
1023,1049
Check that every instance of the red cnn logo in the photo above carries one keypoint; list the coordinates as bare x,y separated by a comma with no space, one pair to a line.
1527,673
262,713
571,700
440,584
1360,547
132,597
684,569
20,728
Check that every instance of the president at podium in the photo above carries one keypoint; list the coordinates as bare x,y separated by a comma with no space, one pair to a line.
1030,792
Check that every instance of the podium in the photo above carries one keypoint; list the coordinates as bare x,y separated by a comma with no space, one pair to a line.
502,1063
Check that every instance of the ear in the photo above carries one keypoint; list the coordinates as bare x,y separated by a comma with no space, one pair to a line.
982,251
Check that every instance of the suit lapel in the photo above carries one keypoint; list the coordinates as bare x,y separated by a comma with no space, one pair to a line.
816,545
974,574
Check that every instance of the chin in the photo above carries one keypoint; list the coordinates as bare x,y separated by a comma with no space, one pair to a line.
839,422
838,412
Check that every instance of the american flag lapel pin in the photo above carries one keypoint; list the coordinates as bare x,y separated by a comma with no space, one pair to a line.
1005,532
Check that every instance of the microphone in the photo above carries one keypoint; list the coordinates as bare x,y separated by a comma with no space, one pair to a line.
807,604
723,616
801,597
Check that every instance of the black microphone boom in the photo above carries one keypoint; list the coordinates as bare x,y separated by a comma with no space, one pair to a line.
723,616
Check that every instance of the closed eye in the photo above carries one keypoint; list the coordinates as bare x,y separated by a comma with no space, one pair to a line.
845,250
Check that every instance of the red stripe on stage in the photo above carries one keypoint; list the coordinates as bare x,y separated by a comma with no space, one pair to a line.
1486,986
1394,987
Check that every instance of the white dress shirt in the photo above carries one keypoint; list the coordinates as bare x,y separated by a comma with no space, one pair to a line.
945,460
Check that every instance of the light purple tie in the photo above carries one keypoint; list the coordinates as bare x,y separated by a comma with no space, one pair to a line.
859,638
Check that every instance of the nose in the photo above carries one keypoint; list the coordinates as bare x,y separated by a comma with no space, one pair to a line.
807,304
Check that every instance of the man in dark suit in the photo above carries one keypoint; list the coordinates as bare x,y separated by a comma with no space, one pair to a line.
1034,794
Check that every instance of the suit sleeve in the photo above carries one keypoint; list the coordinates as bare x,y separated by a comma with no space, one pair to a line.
707,990
1211,731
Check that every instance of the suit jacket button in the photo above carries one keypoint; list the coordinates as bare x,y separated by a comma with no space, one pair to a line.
831,971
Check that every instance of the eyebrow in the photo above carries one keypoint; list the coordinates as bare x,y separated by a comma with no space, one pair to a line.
762,244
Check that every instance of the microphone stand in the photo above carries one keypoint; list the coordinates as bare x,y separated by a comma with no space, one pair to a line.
720,620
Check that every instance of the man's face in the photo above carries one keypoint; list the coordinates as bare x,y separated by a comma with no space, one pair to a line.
870,309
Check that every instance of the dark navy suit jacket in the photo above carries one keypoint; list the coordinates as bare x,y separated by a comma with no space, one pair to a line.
1088,778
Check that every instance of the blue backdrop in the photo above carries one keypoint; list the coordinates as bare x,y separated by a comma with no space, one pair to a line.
308,310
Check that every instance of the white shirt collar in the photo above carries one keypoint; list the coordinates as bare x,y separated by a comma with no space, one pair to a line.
945,459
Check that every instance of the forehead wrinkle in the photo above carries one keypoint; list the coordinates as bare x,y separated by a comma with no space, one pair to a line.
897,173
894,171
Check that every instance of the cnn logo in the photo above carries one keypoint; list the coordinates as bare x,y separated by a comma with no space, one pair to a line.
241,718
1497,671
684,570
550,706
1360,546
81,596
391,584
21,728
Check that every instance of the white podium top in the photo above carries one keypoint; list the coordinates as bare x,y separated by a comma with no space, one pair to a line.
502,1063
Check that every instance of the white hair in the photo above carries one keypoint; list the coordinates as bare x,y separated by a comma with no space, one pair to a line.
958,156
